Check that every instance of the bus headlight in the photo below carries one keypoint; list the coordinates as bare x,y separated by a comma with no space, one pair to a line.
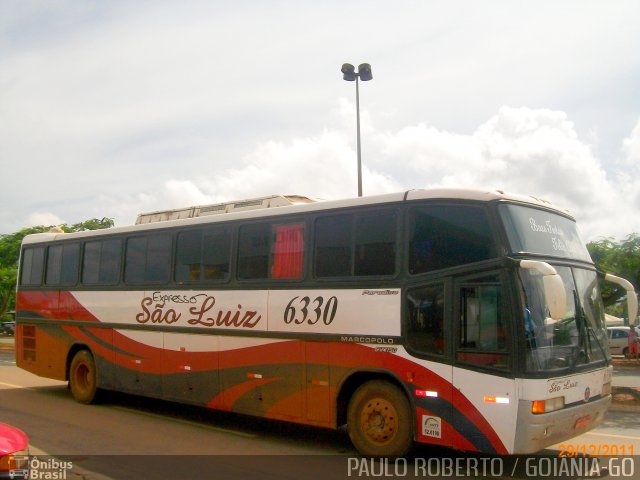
546,406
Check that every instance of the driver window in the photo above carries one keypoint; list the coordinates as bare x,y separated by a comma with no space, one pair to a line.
425,309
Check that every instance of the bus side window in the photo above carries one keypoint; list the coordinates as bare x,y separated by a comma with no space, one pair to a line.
334,238
148,259
253,251
102,260
271,251
62,264
216,254
288,251
425,325
32,266
188,256
448,236
356,245
375,244
203,255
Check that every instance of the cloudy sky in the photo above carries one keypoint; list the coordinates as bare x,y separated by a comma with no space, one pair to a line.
111,108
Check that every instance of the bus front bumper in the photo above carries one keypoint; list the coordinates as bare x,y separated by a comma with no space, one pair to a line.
537,431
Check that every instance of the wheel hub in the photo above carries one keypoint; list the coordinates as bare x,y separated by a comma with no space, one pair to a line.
379,420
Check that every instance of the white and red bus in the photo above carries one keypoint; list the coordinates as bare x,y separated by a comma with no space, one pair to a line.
461,318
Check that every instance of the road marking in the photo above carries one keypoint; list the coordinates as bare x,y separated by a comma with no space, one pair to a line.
33,389
185,422
11,385
629,437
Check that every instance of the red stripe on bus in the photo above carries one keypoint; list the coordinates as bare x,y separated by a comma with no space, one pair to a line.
53,305
342,355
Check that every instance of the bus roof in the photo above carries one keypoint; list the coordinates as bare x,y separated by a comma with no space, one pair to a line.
308,205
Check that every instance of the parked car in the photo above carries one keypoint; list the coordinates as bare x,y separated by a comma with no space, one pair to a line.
618,338
8,328
14,452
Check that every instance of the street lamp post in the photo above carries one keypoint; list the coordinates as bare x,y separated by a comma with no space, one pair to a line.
364,74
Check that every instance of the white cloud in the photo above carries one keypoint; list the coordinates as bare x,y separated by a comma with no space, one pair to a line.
520,150
185,191
45,219
628,178
323,166
631,147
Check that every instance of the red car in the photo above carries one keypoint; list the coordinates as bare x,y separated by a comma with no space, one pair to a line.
14,452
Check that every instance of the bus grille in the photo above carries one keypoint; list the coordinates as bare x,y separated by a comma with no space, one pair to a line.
29,343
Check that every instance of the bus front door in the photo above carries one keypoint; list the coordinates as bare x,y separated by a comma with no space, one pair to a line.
484,393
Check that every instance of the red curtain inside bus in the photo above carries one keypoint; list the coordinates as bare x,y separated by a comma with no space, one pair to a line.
288,251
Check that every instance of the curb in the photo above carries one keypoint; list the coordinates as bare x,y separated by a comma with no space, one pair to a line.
632,406
621,407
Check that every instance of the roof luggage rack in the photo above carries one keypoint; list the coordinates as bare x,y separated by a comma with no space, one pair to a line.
218,208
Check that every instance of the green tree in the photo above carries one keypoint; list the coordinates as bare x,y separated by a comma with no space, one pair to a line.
93,224
621,258
7,286
10,251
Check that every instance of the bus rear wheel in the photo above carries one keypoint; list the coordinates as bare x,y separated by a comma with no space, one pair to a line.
379,420
82,377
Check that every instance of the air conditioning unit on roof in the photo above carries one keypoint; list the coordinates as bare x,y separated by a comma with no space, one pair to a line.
218,208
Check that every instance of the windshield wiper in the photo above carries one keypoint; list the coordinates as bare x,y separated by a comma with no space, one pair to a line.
582,335
592,330
586,332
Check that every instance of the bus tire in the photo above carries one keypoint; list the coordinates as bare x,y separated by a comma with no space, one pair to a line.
379,420
82,377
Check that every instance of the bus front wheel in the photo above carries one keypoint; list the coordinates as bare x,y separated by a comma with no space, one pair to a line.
379,420
82,377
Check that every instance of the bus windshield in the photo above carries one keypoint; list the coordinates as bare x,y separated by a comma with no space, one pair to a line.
573,341
579,337
531,230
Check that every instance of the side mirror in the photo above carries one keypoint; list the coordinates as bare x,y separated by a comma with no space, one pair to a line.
632,300
553,286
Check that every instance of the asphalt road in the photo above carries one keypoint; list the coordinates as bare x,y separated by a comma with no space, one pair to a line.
131,437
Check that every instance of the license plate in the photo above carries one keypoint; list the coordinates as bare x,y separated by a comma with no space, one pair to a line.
582,422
